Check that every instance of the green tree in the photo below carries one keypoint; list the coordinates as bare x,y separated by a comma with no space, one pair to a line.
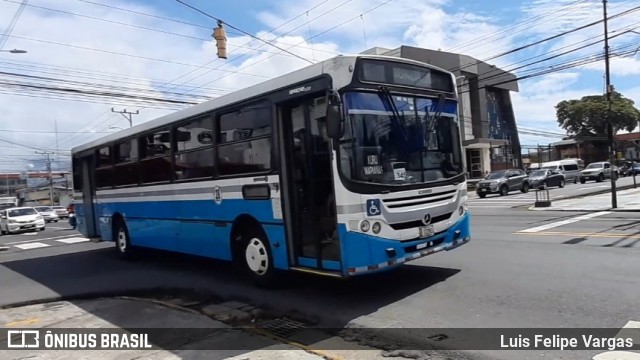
587,117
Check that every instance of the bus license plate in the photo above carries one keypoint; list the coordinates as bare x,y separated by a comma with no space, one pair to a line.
426,231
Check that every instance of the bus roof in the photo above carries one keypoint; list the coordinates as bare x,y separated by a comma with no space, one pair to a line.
283,81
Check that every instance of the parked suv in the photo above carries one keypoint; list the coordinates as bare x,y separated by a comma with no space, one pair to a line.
502,182
597,171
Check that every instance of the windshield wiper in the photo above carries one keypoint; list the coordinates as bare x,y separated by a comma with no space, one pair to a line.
385,94
431,120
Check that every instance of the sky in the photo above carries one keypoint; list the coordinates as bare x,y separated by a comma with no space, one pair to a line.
162,49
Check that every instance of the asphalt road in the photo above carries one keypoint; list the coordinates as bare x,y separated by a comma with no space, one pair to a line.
562,271
517,198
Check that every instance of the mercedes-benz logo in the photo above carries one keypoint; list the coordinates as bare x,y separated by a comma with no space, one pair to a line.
426,219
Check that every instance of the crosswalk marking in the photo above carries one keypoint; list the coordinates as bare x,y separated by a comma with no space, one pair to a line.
564,222
73,240
622,355
33,245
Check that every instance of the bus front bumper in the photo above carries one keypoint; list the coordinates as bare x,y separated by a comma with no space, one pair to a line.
397,253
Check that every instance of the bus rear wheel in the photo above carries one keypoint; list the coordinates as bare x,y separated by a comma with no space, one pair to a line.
122,240
257,259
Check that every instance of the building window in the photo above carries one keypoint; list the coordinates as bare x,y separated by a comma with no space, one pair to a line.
244,140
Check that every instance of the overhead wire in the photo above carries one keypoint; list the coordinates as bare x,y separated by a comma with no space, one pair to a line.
270,31
315,18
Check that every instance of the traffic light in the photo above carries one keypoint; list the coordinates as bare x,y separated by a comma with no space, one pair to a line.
221,40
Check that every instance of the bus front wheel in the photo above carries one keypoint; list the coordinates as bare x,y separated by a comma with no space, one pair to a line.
257,258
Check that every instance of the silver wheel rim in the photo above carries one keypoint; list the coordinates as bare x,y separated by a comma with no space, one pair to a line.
257,257
122,240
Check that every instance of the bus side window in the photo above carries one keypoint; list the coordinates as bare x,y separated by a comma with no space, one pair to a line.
104,167
155,155
244,140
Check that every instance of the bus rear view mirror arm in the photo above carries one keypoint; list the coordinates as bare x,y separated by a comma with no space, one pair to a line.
334,116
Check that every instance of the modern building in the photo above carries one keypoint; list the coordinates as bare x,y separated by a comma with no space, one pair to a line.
489,131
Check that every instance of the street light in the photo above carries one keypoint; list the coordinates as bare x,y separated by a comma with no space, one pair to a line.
15,51
115,127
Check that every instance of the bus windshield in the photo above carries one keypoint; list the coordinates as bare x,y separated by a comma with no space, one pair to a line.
396,140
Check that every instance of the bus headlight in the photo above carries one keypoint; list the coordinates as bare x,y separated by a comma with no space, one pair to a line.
364,226
376,227
461,210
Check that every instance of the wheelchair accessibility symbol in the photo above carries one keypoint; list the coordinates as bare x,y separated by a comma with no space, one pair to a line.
373,207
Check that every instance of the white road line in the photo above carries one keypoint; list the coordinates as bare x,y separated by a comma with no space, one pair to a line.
34,240
34,245
564,222
622,355
73,240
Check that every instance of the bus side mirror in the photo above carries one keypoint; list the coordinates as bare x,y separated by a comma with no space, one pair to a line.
334,116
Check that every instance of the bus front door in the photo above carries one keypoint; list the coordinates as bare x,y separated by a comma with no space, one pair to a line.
310,198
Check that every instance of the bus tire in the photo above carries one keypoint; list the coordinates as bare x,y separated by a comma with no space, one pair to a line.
122,239
257,259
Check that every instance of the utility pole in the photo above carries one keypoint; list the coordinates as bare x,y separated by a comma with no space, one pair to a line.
614,200
48,155
127,115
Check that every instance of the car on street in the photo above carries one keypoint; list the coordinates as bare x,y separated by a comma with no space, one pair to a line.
20,219
62,211
634,169
542,179
47,213
598,171
502,182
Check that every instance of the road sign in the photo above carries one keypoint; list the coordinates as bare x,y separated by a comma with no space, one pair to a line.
23,175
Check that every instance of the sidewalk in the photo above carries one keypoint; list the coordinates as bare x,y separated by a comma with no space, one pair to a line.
183,333
628,200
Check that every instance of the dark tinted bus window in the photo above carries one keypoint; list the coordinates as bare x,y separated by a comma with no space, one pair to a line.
155,144
104,157
77,174
195,134
245,138
127,151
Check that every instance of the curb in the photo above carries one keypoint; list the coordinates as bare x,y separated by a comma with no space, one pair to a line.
598,192
139,296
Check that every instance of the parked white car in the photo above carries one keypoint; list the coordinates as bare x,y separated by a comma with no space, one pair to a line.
18,219
47,213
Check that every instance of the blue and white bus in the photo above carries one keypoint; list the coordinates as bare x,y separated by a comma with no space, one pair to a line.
349,166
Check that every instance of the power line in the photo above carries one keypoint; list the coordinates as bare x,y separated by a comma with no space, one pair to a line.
243,55
477,41
12,24
134,26
125,54
520,48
